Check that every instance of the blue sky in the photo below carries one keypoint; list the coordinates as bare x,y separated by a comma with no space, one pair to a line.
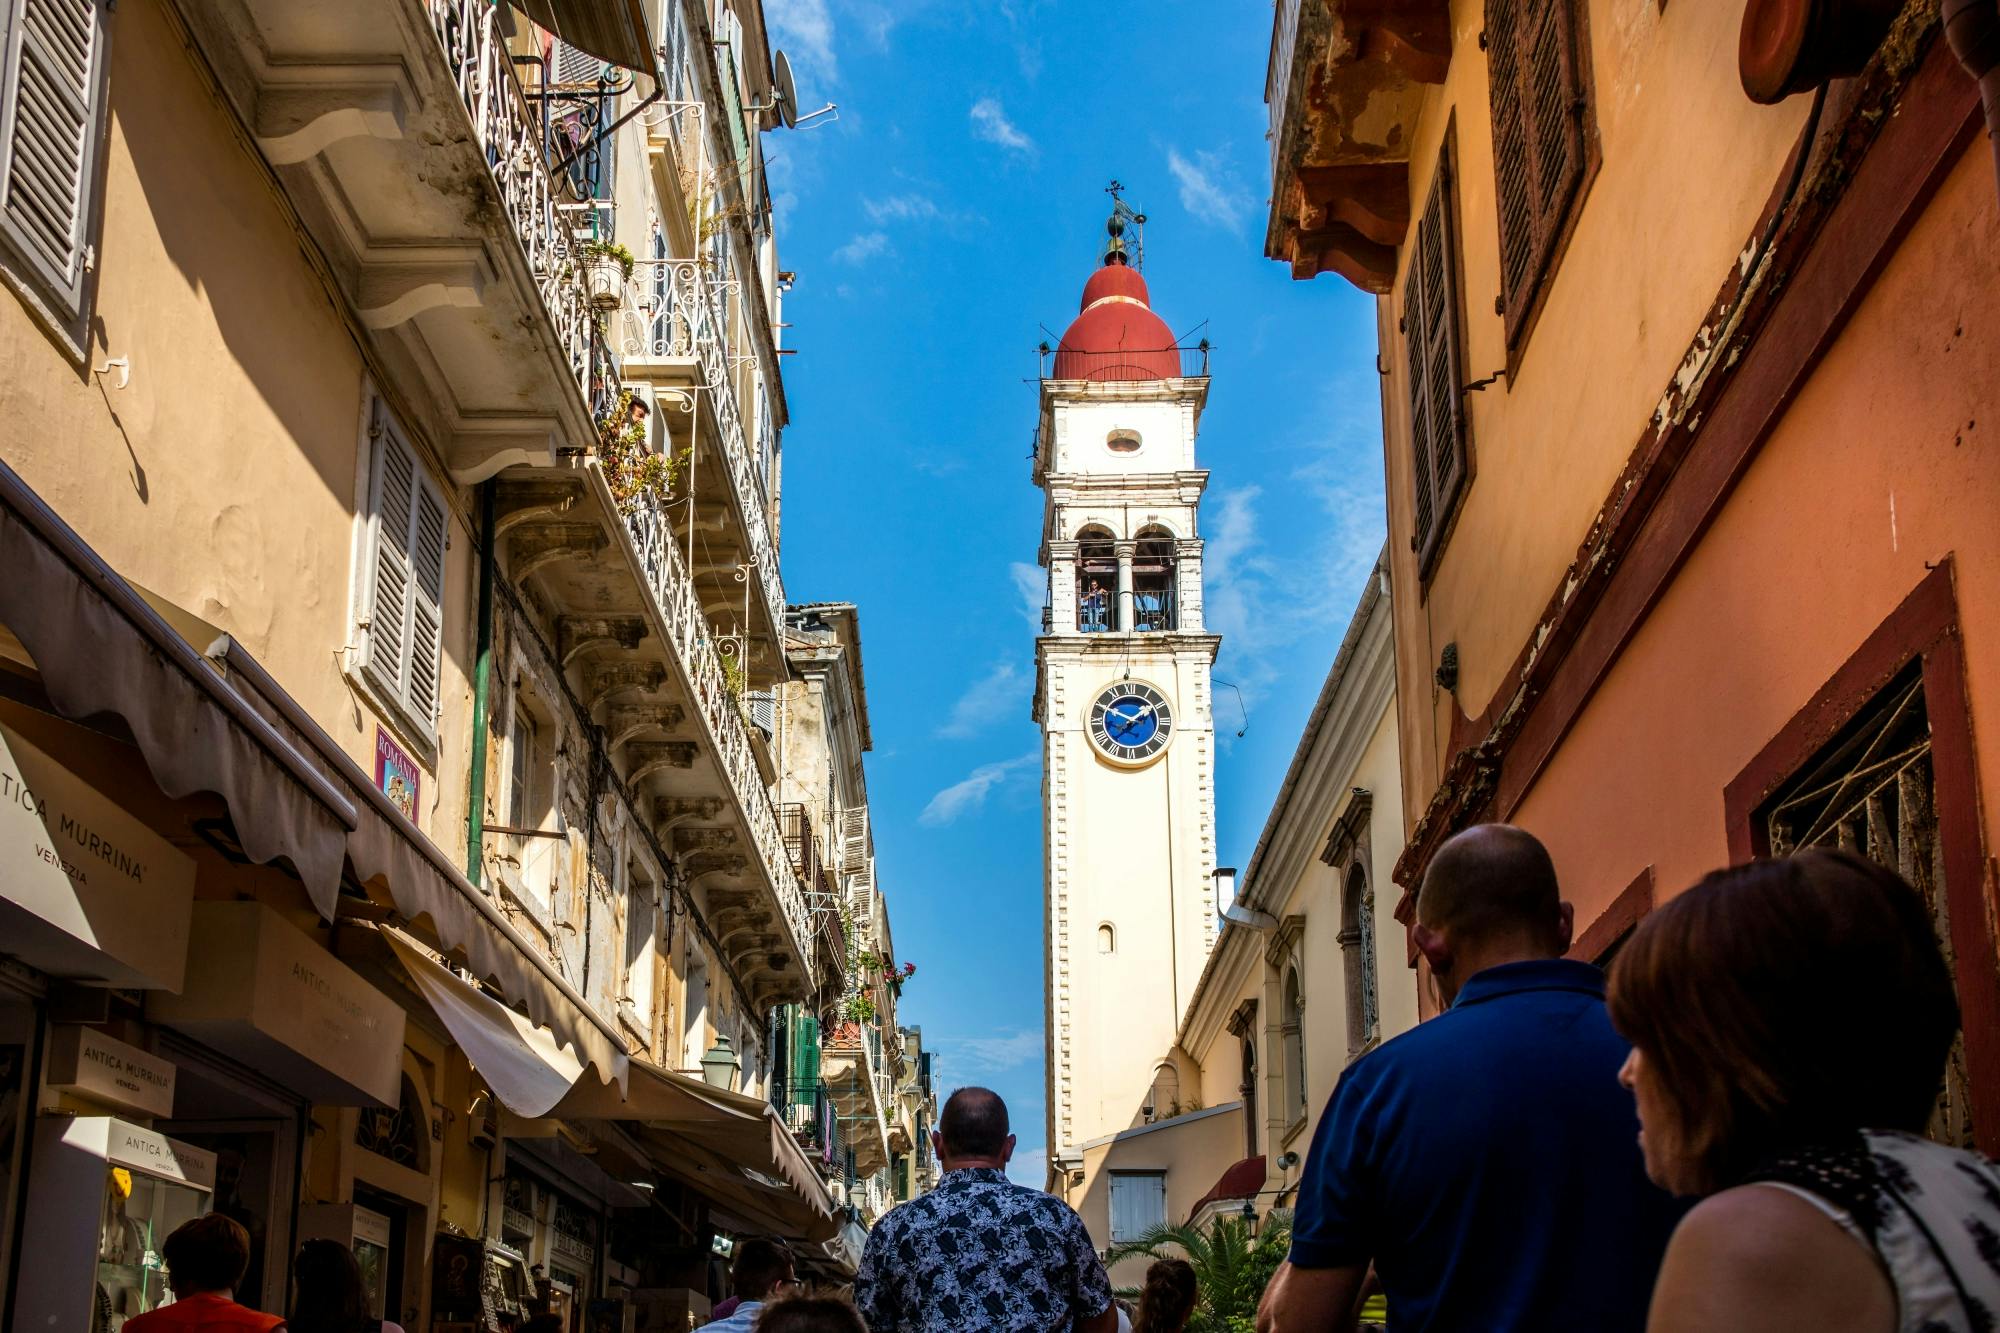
954,208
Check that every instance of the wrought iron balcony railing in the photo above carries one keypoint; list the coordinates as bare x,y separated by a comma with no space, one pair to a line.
1126,364
675,308
809,1111
647,523
1278,76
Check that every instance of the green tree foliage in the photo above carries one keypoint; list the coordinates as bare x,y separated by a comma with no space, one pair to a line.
1232,1265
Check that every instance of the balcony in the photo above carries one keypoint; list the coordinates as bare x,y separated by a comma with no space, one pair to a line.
810,1111
852,1061
671,334
1127,365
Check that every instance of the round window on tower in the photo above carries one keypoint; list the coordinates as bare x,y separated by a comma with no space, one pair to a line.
1122,441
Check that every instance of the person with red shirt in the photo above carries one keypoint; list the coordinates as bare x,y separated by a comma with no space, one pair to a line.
206,1258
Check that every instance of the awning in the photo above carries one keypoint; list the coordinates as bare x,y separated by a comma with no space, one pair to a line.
386,847
613,30
527,1067
101,650
1242,1180
726,1144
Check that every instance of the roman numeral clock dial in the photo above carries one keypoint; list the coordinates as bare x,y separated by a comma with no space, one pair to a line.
1131,722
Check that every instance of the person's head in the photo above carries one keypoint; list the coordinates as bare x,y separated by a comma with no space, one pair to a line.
328,1295
1489,897
1166,1302
972,1130
206,1254
809,1314
761,1269
1780,1003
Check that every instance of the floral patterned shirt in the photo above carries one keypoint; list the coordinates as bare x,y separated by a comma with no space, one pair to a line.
980,1252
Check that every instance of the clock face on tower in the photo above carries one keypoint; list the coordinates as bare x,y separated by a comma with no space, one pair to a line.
1131,722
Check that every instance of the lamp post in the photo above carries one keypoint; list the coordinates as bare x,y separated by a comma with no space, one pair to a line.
719,1067
1250,1215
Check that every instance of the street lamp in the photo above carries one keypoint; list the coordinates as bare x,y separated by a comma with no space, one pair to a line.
720,1065
1250,1215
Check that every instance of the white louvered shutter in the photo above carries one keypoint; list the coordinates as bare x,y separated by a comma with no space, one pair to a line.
49,116
405,579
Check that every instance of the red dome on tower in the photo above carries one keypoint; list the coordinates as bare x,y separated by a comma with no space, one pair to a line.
1116,335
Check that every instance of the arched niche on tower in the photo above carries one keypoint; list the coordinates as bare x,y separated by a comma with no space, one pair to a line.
1155,591
1096,580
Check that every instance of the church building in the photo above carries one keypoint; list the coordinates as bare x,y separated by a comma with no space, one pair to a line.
1123,698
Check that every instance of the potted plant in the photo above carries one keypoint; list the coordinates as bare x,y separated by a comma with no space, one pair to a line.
607,266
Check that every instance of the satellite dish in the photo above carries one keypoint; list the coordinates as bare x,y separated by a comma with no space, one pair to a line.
785,90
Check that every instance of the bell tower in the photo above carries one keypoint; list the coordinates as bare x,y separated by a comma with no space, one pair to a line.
1122,693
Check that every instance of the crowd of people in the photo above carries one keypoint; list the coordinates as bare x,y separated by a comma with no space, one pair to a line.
1726,1134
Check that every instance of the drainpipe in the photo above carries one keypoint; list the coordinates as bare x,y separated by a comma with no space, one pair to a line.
482,689
1973,29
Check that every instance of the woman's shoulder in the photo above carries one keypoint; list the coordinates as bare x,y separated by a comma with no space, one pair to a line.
1752,1253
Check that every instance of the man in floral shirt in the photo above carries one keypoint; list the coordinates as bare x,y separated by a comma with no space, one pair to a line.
980,1252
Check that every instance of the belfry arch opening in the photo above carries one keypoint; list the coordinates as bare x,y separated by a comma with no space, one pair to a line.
1096,581
1153,606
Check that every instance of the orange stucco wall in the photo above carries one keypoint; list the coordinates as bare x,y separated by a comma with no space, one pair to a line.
1885,463
1687,164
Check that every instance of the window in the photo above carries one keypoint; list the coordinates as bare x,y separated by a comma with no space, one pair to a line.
1871,791
1107,938
1357,961
1138,1203
402,619
1123,441
1249,1093
1540,104
1153,580
51,119
1096,582
1163,1100
531,801
1430,341
1293,1030
641,928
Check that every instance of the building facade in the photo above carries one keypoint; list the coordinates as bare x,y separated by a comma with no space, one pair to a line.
1683,380
1122,695
393,654
1307,974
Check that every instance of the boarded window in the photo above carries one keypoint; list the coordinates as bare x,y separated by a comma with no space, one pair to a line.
51,87
1138,1203
1540,99
403,584
1430,333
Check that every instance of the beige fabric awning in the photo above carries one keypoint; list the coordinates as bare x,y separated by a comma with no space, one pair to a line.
102,650
527,1067
729,1145
421,880
613,30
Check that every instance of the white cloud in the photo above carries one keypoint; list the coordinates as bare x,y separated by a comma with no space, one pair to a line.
997,694
1030,1167
1209,190
1032,583
903,208
989,1055
863,247
969,793
989,122
805,29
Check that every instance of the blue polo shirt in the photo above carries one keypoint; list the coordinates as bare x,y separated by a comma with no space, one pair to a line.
1487,1163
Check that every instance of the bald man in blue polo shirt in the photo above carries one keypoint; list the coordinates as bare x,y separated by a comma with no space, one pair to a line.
1485,1163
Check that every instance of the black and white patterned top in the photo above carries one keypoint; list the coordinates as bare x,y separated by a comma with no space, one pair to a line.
1930,1213
980,1252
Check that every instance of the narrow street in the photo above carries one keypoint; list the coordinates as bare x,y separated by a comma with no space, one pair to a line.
452,449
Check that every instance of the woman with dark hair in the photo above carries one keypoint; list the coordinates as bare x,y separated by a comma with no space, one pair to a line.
1166,1302
1790,1021
328,1296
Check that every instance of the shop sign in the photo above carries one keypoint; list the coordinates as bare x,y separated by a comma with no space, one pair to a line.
397,774
268,994
86,889
89,1064
155,1154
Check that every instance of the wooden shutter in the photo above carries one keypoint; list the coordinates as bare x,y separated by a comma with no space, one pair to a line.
49,110
1430,329
405,578
1538,98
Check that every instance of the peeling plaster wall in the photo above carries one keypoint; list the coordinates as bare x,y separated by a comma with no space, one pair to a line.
1626,298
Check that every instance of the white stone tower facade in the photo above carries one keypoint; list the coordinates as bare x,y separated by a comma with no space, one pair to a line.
1123,697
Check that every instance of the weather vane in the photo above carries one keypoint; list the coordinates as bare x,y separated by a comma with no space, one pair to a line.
1117,250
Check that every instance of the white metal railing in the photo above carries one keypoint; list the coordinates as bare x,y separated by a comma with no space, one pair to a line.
652,536
510,137
675,309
